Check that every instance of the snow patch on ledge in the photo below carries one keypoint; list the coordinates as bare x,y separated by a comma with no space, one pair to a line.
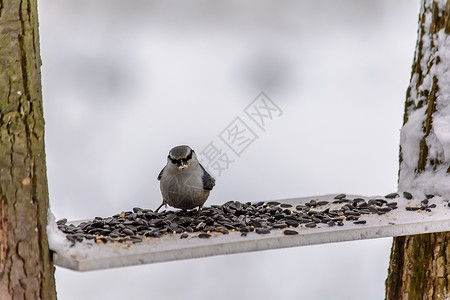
57,240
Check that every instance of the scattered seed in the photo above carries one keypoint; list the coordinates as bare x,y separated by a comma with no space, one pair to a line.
412,208
136,209
292,223
134,239
262,231
360,222
290,232
391,196
352,213
127,231
279,225
184,236
204,235
331,223
340,196
61,222
311,224
407,195
89,237
384,209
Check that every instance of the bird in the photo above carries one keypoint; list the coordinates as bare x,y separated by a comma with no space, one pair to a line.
184,182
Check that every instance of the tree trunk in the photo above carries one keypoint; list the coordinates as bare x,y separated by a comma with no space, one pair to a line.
26,267
420,265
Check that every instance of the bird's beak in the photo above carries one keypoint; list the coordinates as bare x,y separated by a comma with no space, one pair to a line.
182,165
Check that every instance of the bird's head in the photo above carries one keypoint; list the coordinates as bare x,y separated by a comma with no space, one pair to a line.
181,157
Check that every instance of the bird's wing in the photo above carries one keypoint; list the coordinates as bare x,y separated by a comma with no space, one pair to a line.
160,173
208,180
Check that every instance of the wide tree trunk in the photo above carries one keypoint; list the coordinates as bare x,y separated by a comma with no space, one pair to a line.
26,267
420,265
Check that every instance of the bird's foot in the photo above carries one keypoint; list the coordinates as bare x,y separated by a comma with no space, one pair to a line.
198,213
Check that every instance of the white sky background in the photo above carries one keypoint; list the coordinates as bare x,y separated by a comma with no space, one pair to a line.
125,81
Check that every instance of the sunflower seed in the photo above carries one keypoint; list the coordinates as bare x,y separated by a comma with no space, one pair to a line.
279,225
262,231
311,224
321,203
412,208
360,222
391,196
128,231
407,195
290,232
291,223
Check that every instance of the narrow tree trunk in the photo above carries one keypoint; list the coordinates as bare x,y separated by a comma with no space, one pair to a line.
26,268
420,265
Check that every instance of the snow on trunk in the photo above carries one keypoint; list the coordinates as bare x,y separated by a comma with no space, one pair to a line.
425,136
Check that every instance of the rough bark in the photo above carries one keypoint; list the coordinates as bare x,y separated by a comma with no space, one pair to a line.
26,268
420,265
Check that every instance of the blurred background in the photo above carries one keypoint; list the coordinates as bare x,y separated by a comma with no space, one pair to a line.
125,81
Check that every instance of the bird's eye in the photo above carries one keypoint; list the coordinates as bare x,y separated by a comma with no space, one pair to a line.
174,161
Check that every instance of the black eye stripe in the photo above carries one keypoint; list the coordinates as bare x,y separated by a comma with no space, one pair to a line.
185,160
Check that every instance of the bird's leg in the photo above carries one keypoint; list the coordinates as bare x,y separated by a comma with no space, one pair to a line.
199,211
160,206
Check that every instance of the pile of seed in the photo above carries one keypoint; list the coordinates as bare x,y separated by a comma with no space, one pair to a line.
261,217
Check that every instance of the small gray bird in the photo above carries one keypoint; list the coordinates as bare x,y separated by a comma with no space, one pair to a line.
184,182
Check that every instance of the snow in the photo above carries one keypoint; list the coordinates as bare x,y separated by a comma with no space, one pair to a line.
56,238
430,181
88,255
410,138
